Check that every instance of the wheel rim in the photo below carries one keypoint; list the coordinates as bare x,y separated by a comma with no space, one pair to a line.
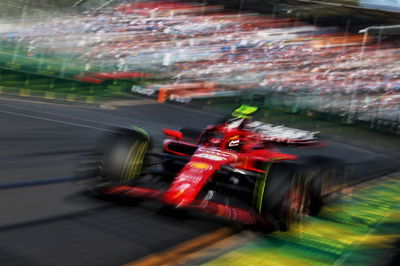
296,205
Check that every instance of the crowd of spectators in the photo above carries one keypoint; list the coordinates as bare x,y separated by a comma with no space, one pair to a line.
198,43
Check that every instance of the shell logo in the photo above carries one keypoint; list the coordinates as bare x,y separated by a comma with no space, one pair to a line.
200,166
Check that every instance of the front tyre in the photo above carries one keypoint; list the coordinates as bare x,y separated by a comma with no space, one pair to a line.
124,155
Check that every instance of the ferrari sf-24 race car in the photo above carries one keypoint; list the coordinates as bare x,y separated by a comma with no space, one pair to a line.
231,169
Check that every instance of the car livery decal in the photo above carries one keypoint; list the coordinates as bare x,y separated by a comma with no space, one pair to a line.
200,165
214,155
196,173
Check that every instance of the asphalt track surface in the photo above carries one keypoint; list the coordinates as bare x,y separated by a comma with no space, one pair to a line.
58,224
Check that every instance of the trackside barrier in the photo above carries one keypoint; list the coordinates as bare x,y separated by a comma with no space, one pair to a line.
23,84
63,73
184,92
162,95
52,96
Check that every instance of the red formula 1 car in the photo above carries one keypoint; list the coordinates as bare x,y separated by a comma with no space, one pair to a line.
230,170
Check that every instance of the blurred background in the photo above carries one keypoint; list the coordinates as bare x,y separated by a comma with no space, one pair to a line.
304,56
71,69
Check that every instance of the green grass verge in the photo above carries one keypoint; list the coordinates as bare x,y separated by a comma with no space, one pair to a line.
358,229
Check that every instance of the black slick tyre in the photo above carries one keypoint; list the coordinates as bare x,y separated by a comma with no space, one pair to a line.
124,155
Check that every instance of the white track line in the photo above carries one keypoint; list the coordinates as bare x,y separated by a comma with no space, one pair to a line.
72,117
56,121
58,115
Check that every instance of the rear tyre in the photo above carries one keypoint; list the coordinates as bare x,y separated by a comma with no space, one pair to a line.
323,172
316,190
288,193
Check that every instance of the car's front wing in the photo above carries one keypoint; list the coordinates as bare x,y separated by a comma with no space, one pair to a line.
249,217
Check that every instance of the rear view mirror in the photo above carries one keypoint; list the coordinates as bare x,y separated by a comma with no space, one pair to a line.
191,133
173,133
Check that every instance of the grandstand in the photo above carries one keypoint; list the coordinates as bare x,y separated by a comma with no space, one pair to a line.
350,14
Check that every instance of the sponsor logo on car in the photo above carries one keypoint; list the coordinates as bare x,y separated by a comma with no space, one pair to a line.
190,177
234,143
201,166
212,157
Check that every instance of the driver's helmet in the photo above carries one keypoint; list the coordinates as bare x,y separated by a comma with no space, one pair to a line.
237,123
234,123
241,117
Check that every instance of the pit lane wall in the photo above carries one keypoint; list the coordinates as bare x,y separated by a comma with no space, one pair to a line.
360,228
